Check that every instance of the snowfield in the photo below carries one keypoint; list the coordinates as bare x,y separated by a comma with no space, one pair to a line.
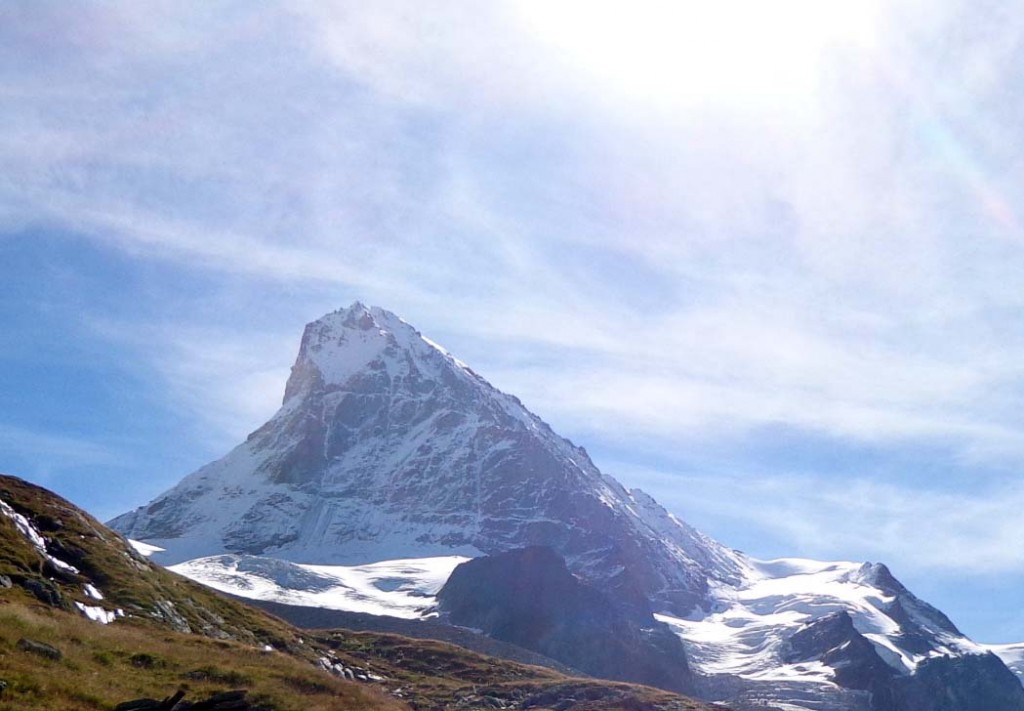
399,588
747,628
744,634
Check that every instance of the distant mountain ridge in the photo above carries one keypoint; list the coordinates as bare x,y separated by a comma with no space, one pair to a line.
386,447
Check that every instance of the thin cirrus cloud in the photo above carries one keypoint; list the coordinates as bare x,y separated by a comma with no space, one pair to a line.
911,529
60,449
844,263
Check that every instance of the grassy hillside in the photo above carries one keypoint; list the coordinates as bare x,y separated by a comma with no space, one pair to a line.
102,665
148,594
176,634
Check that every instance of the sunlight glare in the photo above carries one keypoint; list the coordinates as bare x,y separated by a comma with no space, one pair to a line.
698,51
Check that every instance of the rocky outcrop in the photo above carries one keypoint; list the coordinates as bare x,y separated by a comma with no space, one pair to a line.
40,649
835,642
963,683
939,683
529,598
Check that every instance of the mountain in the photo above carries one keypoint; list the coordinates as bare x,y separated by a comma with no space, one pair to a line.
86,622
386,448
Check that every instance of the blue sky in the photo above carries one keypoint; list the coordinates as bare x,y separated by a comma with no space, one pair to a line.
765,265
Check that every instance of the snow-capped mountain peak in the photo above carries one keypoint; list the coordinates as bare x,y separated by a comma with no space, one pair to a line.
339,345
387,448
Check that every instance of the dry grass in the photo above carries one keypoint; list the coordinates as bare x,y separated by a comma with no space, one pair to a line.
104,665
436,675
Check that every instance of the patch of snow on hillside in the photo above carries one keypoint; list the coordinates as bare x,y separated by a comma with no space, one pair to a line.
97,614
144,549
400,588
26,528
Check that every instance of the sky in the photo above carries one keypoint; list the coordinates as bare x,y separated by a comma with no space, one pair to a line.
762,262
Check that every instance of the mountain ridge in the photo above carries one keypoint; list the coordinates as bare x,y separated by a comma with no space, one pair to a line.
382,425
387,447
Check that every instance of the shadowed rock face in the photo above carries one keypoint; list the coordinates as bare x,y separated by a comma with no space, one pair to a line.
835,642
966,683
529,598
943,683
388,447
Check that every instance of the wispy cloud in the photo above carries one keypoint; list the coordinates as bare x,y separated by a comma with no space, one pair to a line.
49,451
847,267
829,517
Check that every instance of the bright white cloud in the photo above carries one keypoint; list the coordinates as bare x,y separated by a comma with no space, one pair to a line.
737,52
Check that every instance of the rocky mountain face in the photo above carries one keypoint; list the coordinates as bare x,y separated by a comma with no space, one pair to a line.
529,598
1012,655
939,682
386,447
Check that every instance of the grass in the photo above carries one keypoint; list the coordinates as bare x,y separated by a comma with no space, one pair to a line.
146,592
103,665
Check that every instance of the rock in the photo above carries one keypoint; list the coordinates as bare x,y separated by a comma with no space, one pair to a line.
138,705
47,523
967,683
834,641
45,591
43,650
165,611
145,661
168,704
529,598
224,701
5,582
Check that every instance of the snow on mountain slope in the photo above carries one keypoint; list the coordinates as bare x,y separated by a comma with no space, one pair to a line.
746,650
399,588
747,632
386,447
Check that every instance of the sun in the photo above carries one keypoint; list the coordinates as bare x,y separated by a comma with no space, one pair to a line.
695,52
